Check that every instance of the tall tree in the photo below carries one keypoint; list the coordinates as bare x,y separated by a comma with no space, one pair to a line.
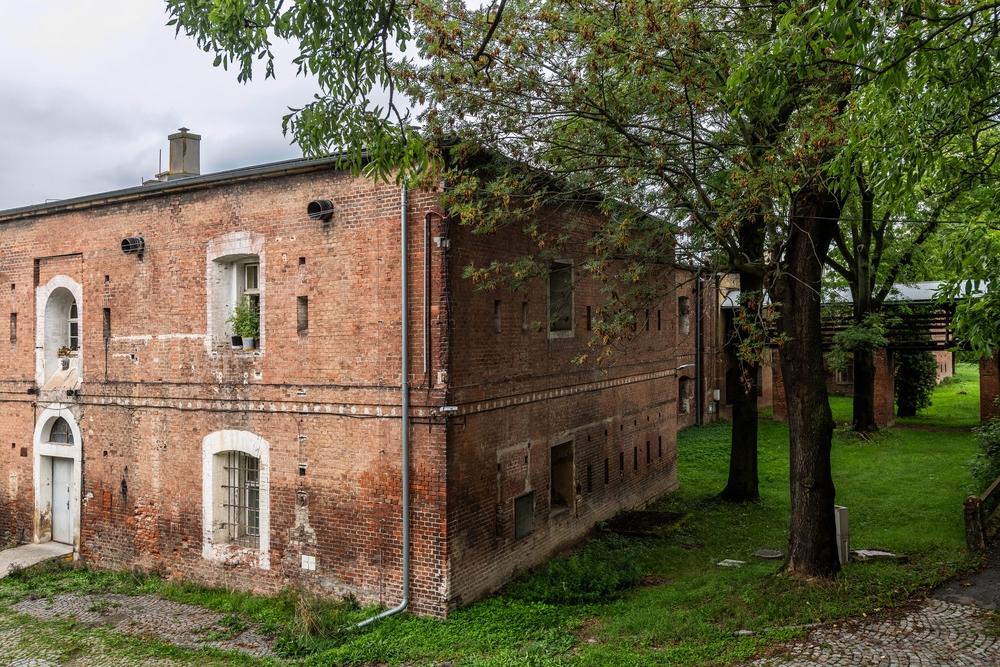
726,128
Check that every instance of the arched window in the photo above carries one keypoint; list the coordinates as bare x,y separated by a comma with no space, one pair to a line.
60,432
235,497
684,395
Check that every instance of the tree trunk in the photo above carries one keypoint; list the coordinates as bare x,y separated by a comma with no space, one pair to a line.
864,366
743,484
864,391
812,549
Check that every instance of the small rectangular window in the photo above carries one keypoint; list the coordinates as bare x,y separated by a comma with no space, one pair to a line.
590,478
621,461
658,322
497,321
13,327
251,275
561,297
607,471
635,458
659,446
303,314
107,323
845,376
74,327
524,514
589,320
524,316
647,319
648,453
561,480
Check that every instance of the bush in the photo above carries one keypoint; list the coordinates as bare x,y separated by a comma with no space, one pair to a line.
916,377
604,568
986,464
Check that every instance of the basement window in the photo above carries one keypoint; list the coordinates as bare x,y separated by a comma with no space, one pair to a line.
561,486
242,502
235,502
560,300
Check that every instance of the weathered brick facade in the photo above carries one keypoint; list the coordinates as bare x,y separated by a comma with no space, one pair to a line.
157,401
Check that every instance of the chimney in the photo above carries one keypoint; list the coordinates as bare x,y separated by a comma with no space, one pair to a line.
185,156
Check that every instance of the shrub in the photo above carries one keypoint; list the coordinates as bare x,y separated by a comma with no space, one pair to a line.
604,568
986,464
916,377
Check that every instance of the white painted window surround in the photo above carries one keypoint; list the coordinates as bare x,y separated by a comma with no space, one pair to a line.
215,546
53,303
227,259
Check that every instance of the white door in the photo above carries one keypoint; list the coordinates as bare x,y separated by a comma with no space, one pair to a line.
62,493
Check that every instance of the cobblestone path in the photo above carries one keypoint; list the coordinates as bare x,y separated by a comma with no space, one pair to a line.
938,634
182,625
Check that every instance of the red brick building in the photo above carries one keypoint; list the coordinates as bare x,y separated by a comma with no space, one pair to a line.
143,436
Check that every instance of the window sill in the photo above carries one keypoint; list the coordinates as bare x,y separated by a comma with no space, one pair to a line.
560,334
559,512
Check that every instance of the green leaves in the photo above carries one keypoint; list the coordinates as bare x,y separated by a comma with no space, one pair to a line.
352,49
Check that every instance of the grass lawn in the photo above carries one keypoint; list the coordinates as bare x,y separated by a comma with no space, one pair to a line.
904,490
955,403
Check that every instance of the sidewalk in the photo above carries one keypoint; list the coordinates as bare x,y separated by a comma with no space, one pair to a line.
31,554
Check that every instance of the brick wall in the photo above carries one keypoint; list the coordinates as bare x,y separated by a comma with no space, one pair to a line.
325,400
989,387
519,394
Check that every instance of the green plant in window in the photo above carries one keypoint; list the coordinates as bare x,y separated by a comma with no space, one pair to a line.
245,319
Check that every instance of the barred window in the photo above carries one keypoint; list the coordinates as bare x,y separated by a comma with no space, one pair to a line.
242,501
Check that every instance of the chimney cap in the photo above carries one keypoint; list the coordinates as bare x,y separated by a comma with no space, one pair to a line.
184,133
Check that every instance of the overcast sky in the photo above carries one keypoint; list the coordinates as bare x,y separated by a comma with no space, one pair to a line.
89,92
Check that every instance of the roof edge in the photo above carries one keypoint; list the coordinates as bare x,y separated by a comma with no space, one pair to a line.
286,167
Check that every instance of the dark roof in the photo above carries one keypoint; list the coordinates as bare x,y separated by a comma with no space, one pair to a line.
285,167
924,292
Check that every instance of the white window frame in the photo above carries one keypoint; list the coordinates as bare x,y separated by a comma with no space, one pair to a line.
227,260
217,543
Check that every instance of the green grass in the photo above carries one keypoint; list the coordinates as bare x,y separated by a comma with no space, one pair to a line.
904,490
955,403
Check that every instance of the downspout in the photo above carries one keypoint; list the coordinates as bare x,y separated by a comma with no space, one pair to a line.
698,371
404,388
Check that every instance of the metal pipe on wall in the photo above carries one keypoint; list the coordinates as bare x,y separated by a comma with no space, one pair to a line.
698,371
404,388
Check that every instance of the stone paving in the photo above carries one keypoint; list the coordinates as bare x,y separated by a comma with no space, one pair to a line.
186,626
937,634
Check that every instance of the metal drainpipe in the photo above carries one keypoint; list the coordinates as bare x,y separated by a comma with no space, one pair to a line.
404,387
700,392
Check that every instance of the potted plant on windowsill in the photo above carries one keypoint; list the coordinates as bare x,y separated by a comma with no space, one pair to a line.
246,322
